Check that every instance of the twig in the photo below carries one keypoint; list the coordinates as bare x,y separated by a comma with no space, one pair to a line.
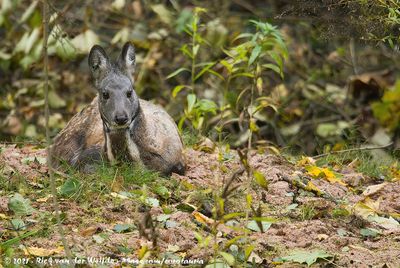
48,140
354,149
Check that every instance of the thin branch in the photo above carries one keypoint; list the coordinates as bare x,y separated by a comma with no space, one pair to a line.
48,140
354,149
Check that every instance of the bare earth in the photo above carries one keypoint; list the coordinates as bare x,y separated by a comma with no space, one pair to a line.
84,222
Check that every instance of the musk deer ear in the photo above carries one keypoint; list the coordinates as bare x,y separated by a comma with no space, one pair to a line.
98,63
127,59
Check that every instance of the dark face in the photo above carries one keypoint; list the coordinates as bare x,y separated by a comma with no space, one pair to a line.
118,102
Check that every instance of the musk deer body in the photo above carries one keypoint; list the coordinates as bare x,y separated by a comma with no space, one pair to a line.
117,125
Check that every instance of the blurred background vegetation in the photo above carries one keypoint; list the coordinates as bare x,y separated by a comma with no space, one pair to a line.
305,76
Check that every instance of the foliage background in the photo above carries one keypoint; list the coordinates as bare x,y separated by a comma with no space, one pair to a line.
338,87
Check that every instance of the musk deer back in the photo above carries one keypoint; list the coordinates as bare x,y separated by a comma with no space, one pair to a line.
83,132
160,142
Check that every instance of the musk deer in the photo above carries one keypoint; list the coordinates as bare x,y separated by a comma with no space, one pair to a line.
117,125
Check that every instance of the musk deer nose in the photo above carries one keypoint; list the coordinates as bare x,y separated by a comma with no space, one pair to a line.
121,119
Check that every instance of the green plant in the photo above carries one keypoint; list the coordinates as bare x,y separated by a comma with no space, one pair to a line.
196,109
387,111
261,51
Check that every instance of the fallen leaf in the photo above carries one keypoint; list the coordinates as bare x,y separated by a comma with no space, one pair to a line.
321,237
254,258
325,173
42,252
90,231
305,161
309,258
20,206
44,199
311,187
374,189
202,218
252,225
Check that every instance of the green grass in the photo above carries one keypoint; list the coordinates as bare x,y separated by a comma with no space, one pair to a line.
366,163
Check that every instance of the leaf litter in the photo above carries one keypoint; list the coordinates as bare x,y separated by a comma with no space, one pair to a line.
345,241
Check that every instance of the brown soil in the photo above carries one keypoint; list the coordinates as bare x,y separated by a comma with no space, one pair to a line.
293,229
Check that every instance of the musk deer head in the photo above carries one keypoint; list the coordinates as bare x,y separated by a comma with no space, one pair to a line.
118,102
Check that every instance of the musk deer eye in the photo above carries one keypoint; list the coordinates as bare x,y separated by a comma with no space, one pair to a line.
106,95
129,94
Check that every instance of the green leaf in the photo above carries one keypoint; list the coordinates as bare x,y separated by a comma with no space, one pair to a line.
17,240
70,187
20,206
217,264
195,50
227,65
228,257
206,106
205,69
85,41
177,72
163,217
185,207
162,191
248,251
274,68
123,228
163,13
152,202
369,232
171,224
64,49
260,179
191,100
186,51
309,258
28,12
31,40
18,224
252,225
232,215
254,54
178,89
216,74
55,101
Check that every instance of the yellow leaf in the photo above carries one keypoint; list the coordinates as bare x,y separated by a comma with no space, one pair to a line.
253,126
42,252
305,161
325,173
365,208
372,204
202,218
311,187
395,173
260,179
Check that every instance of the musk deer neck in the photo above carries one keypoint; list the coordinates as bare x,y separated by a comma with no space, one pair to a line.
119,145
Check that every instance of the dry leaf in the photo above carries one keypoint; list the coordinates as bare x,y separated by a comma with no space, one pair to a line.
202,218
90,231
44,199
374,189
42,252
321,237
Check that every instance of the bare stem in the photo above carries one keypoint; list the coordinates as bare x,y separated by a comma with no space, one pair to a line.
48,140
354,149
